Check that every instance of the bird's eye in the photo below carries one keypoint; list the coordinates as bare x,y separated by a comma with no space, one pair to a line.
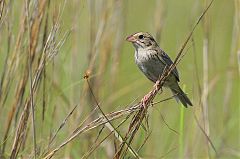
140,36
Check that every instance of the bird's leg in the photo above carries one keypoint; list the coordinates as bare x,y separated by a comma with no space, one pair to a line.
145,99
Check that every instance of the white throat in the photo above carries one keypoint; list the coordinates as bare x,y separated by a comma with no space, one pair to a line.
140,53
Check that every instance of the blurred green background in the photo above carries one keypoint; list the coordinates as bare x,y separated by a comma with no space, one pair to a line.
96,43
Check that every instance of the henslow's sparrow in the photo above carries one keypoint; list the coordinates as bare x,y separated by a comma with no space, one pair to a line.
151,60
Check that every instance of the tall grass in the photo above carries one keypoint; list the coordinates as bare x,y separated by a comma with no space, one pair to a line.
69,87
181,128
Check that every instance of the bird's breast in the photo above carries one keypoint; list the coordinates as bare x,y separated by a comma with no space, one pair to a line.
141,55
149,64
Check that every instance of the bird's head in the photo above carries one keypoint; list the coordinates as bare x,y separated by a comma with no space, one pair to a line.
142,40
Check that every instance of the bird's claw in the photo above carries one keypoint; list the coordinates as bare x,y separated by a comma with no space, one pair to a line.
144,100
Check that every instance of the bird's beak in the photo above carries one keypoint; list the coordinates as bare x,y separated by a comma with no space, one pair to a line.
131,38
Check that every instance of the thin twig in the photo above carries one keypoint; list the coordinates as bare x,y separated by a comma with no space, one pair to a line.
96,146
62,124
95,99
175,131
205,134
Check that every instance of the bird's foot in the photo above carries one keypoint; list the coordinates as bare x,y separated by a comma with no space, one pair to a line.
145,100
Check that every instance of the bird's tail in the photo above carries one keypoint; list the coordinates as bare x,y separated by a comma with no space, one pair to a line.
180,95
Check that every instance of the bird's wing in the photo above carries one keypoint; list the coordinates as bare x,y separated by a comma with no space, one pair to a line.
166,59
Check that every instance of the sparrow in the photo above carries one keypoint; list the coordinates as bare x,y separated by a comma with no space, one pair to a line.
152,60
